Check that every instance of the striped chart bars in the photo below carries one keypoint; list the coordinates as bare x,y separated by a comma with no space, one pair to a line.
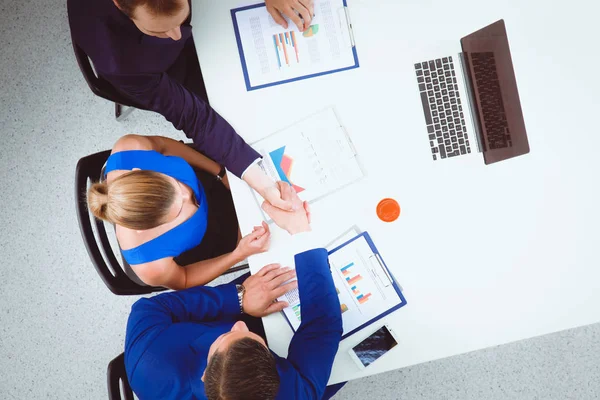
346,270
297,313
352,281
362,299
285,47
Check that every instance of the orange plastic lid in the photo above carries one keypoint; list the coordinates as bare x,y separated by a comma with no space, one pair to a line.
388,210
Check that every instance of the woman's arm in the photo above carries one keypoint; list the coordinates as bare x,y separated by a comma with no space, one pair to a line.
168,147
166,272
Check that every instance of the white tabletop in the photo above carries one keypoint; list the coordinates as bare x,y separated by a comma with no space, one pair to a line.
486,254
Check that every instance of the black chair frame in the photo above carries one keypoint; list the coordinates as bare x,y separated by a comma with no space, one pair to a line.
101,87
117,376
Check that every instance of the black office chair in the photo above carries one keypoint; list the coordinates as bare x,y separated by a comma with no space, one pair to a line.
118,385
118,277
101,87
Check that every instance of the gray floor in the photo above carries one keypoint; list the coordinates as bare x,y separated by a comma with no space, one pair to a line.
59,325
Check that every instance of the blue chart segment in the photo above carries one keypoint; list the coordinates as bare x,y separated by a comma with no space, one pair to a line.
283,165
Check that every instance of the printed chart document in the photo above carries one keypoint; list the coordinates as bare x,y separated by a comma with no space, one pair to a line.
367,291
315,156
271,54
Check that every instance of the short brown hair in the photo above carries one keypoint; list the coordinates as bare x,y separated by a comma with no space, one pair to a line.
156,7
136,200
245,371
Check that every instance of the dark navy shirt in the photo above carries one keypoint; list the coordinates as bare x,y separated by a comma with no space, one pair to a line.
136,65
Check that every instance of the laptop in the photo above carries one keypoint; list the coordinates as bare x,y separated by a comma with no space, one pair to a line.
470,100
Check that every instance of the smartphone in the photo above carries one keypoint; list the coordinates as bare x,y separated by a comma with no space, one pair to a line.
373,347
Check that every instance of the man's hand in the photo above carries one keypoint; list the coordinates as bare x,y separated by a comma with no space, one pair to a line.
254,243
299,11
264,287
259,181
295,221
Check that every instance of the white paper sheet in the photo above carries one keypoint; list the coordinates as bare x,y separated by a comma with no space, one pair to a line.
273,53
315,156
363,288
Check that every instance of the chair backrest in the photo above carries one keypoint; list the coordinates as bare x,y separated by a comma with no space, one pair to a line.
117,378
110,270
99,86
118,277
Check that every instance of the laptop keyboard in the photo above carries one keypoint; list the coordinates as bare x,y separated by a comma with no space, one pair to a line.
442,108
490,100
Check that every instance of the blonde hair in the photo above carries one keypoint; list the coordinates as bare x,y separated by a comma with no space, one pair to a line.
136,200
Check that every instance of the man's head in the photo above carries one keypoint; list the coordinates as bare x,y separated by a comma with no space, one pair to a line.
240,366
160,18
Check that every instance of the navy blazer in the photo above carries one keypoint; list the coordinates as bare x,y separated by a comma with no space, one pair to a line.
169,335
136,65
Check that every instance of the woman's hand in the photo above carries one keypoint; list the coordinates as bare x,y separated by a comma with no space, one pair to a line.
256,242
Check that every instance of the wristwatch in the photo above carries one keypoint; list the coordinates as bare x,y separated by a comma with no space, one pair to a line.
240,292
221,174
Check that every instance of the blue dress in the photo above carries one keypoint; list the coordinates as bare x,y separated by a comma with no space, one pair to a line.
184,236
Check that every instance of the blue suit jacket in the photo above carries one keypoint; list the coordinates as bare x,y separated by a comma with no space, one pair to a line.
168,336
136,65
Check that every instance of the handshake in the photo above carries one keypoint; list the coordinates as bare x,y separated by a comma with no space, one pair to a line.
289,213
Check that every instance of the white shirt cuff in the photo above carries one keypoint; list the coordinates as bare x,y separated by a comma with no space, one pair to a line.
302,242
251,165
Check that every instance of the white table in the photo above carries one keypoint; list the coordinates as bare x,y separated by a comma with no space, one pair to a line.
468,285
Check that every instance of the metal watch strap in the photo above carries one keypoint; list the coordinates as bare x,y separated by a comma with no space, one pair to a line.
240,293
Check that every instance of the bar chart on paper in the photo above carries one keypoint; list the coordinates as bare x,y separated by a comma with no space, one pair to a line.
352,280
286,48
315,156
273,55
362,293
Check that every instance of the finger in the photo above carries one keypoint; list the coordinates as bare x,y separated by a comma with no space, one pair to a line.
310,4
280,203
267,268
277,17
276,307
307,209
262,241
305,13
291,14
266,226
275,273
252,236
281,290
281,279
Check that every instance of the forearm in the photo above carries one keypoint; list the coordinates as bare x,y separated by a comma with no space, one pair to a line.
202,272
193,157
211,134
257,179
315,344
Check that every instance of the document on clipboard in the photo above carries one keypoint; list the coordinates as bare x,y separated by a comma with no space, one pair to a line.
367,290
272,55
315,155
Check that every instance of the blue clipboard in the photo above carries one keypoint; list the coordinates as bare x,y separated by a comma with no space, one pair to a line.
249,87
391,278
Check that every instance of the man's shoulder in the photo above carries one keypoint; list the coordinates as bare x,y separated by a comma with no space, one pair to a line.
85,11
95,27
291,383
